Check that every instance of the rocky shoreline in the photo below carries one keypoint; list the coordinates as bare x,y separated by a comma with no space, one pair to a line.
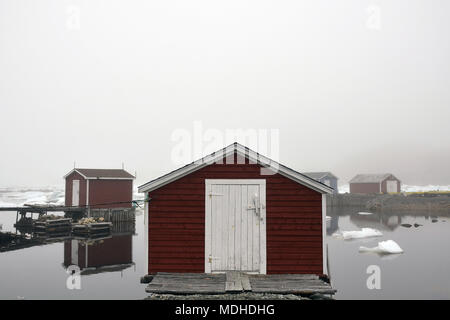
422,202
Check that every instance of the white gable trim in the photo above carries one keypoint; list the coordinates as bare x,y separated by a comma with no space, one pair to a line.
75,170
253,156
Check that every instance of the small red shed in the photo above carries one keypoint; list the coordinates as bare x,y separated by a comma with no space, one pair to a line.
99,188
375,183
235,210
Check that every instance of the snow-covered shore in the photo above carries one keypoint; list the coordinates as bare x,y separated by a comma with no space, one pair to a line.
51,195
407,188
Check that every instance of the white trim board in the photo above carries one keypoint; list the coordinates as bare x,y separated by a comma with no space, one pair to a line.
324,234
243,151
146,231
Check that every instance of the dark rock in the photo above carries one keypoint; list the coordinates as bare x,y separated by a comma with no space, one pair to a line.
318,296
416,225
434,220
147,278
406,225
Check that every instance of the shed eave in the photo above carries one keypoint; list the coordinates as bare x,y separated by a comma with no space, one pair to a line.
75,170
107,178
242,151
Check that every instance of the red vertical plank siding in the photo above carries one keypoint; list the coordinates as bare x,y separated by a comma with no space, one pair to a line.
110,193
365,187
176,238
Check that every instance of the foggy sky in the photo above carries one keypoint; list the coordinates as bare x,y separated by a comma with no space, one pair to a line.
345,97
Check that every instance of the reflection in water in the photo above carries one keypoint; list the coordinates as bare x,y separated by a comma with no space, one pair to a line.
99,255
92,255
333,225
415,274
387,221
35,267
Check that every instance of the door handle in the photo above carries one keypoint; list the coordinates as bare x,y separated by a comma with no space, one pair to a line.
257,204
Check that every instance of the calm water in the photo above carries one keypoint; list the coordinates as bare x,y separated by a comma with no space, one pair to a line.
421,272
39,273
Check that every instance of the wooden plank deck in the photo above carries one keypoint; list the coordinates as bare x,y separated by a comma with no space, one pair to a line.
237,282
187,283
290,284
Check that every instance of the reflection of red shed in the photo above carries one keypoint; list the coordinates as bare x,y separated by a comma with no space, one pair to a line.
108,254
236,210
375,183
99,188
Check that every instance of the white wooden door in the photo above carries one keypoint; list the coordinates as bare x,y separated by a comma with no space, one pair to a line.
391,186
75,192
235,225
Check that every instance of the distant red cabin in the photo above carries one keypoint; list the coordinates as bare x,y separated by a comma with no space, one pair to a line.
236,210
375,183
99,188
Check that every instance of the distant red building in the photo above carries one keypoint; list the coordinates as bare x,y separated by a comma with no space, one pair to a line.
99,188
375,183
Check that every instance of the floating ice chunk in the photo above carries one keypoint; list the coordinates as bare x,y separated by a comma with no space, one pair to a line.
365,213
363,233
384,247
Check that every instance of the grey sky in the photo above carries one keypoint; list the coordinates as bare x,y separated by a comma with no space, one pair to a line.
345,97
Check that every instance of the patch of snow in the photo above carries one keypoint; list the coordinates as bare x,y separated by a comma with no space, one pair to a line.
384,247
345,188
30,195
359,234
365,213
408,188
7,204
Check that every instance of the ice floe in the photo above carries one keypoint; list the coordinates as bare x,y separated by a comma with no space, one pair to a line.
358,234
365,213
384,247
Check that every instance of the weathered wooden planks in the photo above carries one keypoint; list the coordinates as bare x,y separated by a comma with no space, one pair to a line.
187,283
236,282
290,284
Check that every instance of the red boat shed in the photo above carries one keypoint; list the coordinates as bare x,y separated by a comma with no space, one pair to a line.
375,183
236,210
99,188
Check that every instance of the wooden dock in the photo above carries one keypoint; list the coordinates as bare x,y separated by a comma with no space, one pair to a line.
237,282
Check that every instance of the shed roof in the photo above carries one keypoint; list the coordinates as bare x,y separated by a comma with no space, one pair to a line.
318,175
370,178
242,151
119,174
